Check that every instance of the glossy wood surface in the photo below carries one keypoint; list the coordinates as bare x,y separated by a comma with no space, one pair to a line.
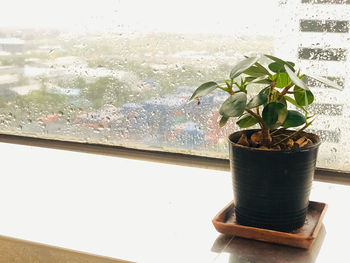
140,211
20,251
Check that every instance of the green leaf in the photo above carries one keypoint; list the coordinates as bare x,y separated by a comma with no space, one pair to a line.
246,121
203,90
259,80
288,63
242,66
327,82
266,91
275,95
227,84
282,100
303,97
294,119
249,79
262,80
223,121
277,67
234,106
295,79
289,99
274,114
282,80
262,68
256,101
255,72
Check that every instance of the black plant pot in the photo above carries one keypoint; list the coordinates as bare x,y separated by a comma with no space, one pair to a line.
272,188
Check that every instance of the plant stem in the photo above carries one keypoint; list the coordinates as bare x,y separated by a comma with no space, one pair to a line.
266,136
225,89
273,85
277,130
284,91
257,117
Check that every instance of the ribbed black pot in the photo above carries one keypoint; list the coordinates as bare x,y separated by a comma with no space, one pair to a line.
272,188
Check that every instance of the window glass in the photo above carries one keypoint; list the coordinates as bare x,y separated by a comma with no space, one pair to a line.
120,72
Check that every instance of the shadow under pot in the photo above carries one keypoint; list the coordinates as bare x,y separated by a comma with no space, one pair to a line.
272,188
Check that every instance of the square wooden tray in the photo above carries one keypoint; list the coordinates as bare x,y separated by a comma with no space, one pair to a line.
225,223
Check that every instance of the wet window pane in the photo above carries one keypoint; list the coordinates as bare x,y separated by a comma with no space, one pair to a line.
120,72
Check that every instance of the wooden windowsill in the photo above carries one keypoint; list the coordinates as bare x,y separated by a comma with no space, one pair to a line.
20,251
137,210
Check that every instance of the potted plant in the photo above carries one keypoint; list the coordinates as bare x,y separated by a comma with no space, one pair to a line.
273,166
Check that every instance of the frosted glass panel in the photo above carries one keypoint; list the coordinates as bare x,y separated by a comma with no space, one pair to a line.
121,72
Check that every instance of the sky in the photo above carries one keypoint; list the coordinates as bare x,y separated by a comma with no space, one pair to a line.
181,16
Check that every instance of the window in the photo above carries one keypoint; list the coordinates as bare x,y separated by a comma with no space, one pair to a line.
120,72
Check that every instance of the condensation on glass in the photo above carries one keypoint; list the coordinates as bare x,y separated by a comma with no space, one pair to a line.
118,75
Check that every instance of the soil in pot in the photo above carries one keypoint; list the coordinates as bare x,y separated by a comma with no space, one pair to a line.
281,140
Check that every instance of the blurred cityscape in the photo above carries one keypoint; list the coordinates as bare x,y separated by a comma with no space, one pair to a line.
121,90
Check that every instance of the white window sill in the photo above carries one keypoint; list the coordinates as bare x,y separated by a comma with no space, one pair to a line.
139,211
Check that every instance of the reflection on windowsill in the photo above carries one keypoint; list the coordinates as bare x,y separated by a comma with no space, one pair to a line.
246,250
